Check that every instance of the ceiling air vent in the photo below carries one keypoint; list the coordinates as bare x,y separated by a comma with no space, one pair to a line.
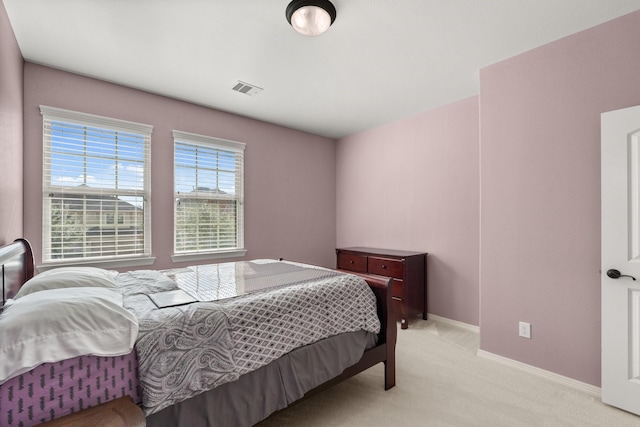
247,88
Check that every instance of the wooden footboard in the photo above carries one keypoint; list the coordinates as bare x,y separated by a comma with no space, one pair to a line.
385,350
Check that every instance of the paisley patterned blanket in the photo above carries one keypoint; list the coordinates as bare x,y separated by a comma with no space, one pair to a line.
186,350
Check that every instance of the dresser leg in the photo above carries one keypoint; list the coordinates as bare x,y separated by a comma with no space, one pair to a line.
404,316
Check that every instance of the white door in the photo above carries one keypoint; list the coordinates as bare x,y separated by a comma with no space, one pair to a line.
620,169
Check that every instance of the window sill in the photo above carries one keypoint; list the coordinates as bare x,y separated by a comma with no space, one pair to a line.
112,263
209,255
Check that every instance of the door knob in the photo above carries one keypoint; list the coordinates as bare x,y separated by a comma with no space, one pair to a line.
615,274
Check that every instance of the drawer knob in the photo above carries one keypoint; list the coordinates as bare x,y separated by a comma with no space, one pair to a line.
384,267
350,261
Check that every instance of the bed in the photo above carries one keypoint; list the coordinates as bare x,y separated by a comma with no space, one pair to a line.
261,380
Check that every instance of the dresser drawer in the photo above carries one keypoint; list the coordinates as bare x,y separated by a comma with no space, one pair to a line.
357,263
386,267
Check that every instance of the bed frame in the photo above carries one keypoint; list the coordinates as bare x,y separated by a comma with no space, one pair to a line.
17,264
385,350
16,260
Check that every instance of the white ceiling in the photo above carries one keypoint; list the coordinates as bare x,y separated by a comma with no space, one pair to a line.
382,60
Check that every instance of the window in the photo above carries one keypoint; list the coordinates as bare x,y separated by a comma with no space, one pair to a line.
209,191
96,189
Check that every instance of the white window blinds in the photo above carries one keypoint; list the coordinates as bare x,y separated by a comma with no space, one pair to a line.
96,192
209,191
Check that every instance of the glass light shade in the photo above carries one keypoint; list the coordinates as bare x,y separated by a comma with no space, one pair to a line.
311,20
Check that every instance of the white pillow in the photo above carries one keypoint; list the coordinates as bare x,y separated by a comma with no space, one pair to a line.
68,277
59,324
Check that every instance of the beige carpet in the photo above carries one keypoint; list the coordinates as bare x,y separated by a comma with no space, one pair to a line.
440,382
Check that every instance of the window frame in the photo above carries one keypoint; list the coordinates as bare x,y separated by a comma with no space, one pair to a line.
73,118
222,145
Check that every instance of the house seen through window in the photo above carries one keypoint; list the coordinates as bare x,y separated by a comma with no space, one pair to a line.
96,192
208,177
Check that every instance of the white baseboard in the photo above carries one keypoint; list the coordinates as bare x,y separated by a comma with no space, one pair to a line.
570,382
456,323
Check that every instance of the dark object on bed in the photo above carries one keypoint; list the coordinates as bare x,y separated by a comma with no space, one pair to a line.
216,407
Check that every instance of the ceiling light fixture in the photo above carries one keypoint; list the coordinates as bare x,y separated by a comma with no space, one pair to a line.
309,17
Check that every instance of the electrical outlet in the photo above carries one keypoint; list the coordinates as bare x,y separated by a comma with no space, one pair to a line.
524,329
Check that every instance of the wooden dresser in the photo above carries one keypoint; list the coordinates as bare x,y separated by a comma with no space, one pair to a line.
408,270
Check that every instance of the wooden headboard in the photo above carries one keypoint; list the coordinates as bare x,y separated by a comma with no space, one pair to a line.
17,265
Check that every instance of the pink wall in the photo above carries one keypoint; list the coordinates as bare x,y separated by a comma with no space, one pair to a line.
11,185
413,185
540,194
289,175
